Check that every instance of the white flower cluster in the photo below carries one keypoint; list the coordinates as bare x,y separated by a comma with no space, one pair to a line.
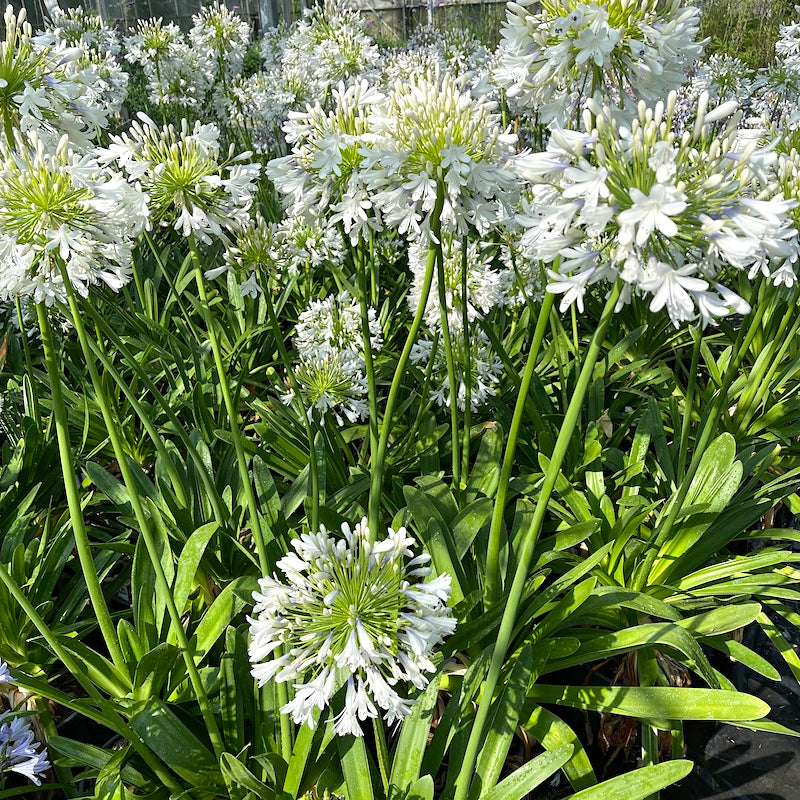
723,78
190,186
63,209
44,88
323,173
330,44
220,39
375,159
458,48
671,216
175,71
330,347
258,105
97,66
487,288
349,607
557,53
435,137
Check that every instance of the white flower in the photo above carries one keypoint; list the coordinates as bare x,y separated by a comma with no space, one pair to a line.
349,603
671,213
331,352
554,55
653,211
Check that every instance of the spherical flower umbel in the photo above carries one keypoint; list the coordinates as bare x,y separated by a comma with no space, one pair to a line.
435,138
355,608
615,51
63,210
191,187
672,216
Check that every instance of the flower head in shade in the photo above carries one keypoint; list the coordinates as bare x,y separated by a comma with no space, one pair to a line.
346,606
63,209
221,37
19,751
555,54
331,373
487,287
192,187
672,216
478,368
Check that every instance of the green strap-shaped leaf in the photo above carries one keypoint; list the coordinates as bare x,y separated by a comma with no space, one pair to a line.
658,704
529,776
355,768
638,784
413,738
553,734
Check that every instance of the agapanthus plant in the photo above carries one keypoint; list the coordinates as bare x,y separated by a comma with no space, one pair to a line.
97,65
330,44
322,175
192,187
349,611
65,210
672,216
175,73
556,53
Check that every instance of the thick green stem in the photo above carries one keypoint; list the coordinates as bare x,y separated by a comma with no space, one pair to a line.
689,403
82,544
467,367
505,634
451,366
369,363
492,588
143,520
378,465
233,414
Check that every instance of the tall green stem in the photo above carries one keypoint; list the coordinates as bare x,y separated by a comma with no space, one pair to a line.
505,634
687,412
73,496
467,366
492,588
143,520
369,364
378,465
451,367
233,413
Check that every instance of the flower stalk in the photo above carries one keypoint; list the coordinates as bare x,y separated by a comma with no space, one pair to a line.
529,539
82,543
